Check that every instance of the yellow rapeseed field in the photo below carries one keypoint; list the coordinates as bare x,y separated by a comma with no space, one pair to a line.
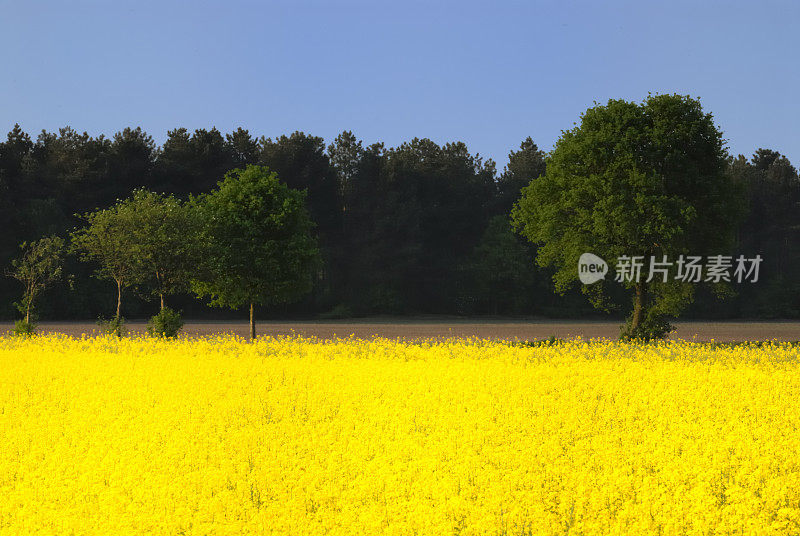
104,436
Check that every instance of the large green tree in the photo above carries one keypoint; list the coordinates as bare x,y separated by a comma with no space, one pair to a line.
634,179
259,246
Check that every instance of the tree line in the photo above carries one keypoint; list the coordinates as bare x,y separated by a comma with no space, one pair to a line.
248,242
418,228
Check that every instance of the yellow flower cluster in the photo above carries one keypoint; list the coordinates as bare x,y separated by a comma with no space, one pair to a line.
296,436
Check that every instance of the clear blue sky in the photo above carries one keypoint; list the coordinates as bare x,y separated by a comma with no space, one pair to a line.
488,74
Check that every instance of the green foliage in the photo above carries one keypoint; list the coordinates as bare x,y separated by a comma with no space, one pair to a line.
24,328
38,266
147,240
112,326
653,326
644,179
108,240
414,214
552,340
524,165
258,247
257,238
499,274
345,154
167,323
164,244
396,226
772,229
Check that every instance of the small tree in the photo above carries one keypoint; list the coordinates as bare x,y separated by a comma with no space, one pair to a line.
163,246
108,240
38,266
259,248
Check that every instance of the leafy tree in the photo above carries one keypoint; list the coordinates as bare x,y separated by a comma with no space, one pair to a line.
108,239
70,168
38,266
260,249
67,173
164,245
634,179
763,159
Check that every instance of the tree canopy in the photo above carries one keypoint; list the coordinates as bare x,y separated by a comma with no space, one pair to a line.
108,241
634,179
164,242
259,247
38,266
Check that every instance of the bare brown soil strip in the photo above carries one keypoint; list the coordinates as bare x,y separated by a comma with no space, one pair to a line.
438,328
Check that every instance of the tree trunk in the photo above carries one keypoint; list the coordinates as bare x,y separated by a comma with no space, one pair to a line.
639,306
29,303
160,281
119,298
252,323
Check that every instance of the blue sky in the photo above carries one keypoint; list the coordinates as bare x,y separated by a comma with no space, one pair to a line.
486,74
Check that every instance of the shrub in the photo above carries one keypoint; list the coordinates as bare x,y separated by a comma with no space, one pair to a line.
112,326
24,329
167,323
652,328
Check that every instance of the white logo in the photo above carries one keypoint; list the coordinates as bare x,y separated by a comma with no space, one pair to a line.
687,268
591,268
